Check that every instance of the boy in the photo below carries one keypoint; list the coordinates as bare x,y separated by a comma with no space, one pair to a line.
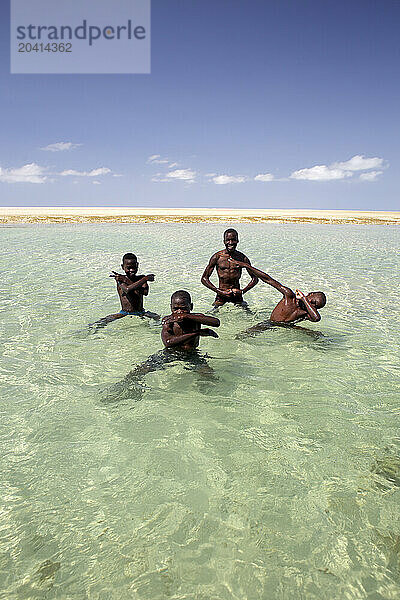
180,334
131,288
182,328
229,272
294,306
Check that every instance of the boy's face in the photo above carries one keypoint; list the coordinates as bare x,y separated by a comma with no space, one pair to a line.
314,299
181,305
231,240
311,299
130,266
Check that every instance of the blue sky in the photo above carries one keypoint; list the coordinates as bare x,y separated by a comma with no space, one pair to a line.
268,104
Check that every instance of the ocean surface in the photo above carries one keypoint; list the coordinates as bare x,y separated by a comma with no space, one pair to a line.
269,470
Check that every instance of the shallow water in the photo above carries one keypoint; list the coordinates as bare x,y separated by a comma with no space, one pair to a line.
276,478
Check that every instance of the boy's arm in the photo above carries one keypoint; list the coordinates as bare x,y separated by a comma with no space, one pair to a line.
144,289
254,278
197,317
205,280
312,312
204,319
139,285
170,340
266,279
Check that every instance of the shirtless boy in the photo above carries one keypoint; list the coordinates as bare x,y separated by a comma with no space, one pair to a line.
229,272
180,334
181,329
294,306
131,288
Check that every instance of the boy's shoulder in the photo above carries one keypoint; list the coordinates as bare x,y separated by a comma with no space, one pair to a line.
240,256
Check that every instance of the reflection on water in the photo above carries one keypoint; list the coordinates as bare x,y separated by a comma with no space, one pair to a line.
264,466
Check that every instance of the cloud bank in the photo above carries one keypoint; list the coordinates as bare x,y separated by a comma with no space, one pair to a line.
340,170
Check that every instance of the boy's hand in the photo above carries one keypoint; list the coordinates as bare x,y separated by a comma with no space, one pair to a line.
150,277
118,277
176,318
208,333
235,263
299,295
226,293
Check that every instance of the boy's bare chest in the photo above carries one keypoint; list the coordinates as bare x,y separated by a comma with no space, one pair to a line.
226,269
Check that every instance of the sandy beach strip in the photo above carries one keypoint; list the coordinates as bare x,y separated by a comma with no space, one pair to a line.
52,214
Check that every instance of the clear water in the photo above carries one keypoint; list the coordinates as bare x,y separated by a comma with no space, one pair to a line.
279,479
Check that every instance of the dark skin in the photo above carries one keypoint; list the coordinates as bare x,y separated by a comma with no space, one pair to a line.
229,272
131,289
294,306
181,329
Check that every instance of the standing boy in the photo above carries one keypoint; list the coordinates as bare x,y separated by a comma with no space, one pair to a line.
229,272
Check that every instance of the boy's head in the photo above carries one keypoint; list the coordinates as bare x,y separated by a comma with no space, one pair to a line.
317,298
181,302
231,240
130,264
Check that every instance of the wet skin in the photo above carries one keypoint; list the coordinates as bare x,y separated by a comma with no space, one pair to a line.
229,273
180,334
181,329
294,306
131,288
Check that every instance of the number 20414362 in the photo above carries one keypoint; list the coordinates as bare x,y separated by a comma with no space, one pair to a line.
53,47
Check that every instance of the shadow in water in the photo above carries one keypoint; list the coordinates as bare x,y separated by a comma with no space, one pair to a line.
92,328
270,325
388,470
133,386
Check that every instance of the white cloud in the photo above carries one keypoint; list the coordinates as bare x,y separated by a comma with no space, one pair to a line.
339,170
264,177
157,160
95,182
31,173
359,163
224,179
371,176
93,173
182,175
61,146
320,173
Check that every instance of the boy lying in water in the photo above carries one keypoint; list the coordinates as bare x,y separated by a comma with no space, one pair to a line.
294,306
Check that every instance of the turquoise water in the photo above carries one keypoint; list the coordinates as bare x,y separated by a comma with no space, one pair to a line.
278,478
